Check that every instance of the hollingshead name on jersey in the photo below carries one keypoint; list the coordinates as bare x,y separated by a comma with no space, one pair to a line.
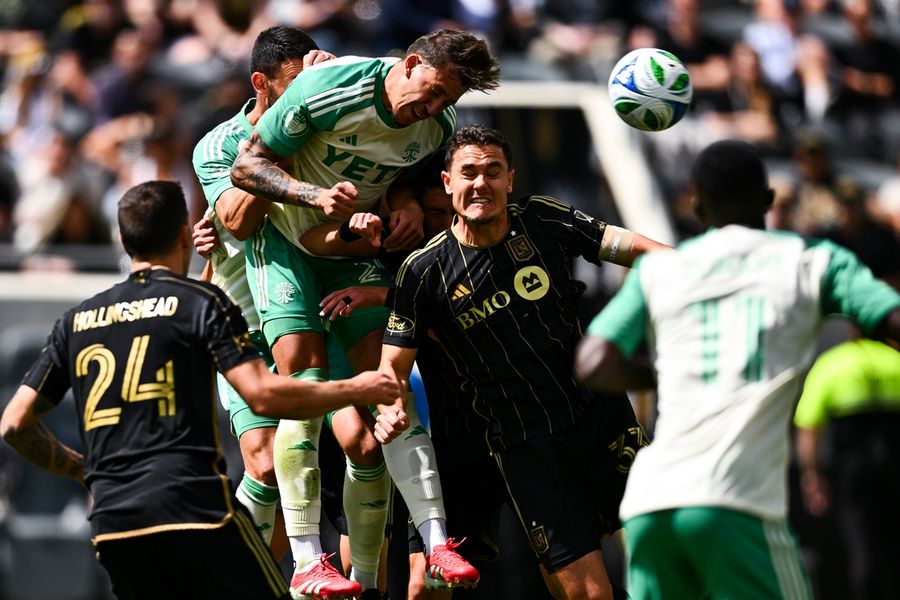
124,312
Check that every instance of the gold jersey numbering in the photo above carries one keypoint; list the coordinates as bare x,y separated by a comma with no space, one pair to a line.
162,389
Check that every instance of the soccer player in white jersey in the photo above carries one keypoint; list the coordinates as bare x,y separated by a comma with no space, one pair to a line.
731,317
350,127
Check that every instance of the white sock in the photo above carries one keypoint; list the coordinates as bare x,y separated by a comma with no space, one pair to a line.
366,501
434,533
260,500
306,549
411,462
296,454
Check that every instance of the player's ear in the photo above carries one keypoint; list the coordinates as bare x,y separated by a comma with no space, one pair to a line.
445,177
410,62
512,176
697,206
184,237
259,81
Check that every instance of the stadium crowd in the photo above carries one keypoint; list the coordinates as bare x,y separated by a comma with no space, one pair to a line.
101,95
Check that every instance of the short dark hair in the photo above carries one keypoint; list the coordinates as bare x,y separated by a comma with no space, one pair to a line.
730,172
277,44
467,56
429,176
477,135
151,216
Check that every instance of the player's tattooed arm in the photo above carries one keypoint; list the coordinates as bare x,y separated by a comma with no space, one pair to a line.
256,171
22,429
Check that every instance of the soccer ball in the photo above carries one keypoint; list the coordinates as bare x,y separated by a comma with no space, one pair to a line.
650,89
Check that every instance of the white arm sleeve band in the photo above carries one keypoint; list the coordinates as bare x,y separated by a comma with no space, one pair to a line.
616,245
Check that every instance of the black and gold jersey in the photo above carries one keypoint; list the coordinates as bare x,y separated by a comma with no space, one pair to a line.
140,360
503,319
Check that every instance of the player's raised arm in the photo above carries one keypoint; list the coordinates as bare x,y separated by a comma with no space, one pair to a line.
256,171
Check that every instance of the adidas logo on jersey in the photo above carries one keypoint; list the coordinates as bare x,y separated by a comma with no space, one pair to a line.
461,291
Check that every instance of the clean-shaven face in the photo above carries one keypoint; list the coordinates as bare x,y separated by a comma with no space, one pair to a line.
422,92
480,182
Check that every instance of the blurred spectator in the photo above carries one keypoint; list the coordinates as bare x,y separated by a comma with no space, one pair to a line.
9,193
59,200
40,89
229,28
875,243
140,147
868,76
123,85
747,108
773,33
406,20
89,28
779,216
795,65
817,205
704,56
886,206
579,37
817,95
852,393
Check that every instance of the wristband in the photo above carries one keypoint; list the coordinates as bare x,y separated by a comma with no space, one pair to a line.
346,235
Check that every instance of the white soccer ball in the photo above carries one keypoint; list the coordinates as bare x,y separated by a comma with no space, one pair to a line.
650,89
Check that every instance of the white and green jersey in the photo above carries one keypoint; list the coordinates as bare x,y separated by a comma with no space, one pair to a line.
331,120
731,318
213,157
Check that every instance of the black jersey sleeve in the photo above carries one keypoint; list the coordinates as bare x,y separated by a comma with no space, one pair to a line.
49,375
576,230
225,332
409,299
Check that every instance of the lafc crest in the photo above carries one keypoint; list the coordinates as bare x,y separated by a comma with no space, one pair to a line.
520,248
538,538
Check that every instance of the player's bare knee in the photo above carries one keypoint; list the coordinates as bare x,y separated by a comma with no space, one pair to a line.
261,467
257,450
364,449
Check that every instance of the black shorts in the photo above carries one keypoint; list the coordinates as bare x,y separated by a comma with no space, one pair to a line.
473,493
566,487
229,562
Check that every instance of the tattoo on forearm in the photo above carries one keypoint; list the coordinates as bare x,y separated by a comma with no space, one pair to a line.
38,445
255,171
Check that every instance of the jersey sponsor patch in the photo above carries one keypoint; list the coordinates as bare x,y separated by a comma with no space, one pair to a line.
398,324
532,282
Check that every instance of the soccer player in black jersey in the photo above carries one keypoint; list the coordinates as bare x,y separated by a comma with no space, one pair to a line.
140,359
494,295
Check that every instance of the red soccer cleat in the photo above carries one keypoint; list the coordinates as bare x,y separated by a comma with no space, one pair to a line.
445,568
321,581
